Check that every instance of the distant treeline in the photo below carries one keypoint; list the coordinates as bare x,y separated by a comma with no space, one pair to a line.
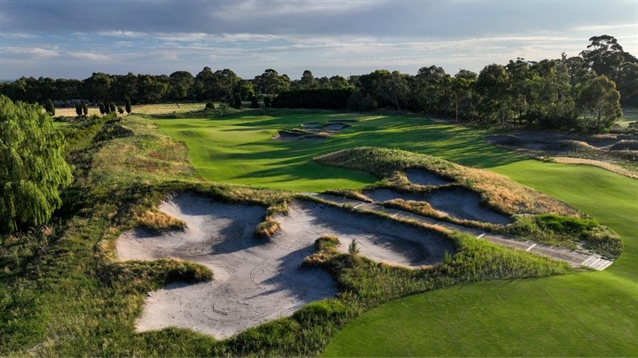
582,93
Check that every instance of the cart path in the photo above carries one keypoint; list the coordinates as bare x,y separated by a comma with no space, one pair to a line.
574,258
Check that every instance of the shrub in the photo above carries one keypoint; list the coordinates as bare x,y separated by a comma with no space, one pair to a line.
254,103
210,105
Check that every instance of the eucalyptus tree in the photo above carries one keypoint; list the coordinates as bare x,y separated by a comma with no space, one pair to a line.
33,168
494,87
599,104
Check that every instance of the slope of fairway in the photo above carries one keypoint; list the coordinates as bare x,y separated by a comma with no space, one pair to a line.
582,314
239,149
575,315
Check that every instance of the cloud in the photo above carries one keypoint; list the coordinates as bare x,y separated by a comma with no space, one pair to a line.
605,27
34,52
90,56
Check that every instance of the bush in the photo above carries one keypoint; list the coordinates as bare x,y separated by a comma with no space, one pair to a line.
237,101
210,105
254,103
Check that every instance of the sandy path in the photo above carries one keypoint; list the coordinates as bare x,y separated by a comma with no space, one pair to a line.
257,281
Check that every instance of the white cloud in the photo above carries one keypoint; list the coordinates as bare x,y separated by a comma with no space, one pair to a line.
91,56
33,51
605,27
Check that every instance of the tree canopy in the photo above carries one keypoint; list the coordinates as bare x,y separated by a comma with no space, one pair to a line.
33,168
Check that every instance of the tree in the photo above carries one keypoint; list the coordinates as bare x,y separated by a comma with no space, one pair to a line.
604,55
495,90
33,169
127,106
78,109
85,109
102,108
267,103
237,101
49,107
599,104
254,103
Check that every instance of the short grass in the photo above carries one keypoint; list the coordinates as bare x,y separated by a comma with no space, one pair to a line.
238,148
630,114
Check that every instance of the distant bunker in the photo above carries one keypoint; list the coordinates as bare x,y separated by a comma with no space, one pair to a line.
425,177
312,131
455,202
257,280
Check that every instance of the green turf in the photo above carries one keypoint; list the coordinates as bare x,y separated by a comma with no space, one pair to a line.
629,115
582,314
575,315
238,148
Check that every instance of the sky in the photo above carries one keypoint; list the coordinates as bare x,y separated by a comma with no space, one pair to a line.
74,38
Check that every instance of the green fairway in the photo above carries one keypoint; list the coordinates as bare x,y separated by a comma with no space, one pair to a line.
629,115
238,148
582,314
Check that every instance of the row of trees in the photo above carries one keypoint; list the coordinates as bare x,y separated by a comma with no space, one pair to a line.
579,92
207,85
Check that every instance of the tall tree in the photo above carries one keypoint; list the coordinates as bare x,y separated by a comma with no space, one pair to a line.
599,104
494,88
33,168
605,56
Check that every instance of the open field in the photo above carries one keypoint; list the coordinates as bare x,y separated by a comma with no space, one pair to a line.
610,198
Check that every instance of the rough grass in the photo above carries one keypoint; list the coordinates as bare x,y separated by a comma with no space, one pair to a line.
157,220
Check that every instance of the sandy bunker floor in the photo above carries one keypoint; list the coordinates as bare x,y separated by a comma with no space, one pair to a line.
424,177
456,202
257,281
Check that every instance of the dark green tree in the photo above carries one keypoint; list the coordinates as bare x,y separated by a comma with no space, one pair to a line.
254,103
127,106
102,108
85,109
33,169
78,109
112,107
267,103
599,104
49,107
237,101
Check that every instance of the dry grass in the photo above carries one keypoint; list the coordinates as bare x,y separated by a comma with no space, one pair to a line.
157,220
597,163
70,112
267,229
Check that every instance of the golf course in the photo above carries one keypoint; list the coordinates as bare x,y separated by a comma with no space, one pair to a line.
243,232
551,316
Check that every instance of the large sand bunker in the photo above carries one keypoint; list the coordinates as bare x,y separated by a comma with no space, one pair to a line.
424,177
456,202
257,280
